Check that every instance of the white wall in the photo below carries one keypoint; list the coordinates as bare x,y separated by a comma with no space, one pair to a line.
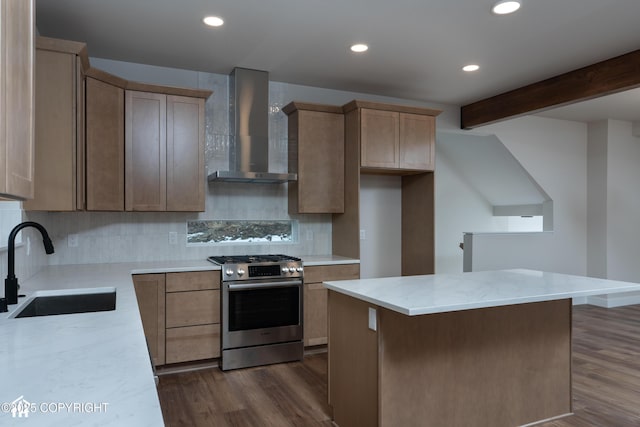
623,202
554,152
459,208
381,221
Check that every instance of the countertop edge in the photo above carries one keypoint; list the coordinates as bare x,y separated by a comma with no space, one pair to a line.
622,287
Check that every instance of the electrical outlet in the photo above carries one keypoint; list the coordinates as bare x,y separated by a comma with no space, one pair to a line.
373,323
363,235
72,240
173,238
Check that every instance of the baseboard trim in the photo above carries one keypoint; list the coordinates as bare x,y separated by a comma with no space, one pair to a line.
614,300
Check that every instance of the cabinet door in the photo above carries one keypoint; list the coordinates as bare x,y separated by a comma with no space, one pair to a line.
417,148
319,163
104,146
315,314
379,139
56,131
315,298
17,98
145,151
150,290
185,154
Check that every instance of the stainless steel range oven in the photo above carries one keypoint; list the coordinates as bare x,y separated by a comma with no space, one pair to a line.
261,310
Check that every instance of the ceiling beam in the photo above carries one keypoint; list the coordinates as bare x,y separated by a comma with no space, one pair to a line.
603,78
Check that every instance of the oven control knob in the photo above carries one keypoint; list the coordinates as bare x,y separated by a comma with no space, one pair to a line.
292,270
299,269
240,272
229,272
285,270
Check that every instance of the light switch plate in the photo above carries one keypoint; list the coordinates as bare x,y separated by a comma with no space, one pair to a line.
373,323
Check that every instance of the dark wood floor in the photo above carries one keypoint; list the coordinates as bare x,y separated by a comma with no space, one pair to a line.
606,383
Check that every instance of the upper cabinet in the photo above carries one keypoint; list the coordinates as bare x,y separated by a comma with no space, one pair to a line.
145,151
393,138
104,142
316,154
164,151
16,99
59,126
85,134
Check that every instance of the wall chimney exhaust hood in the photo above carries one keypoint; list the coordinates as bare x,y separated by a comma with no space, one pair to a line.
249,124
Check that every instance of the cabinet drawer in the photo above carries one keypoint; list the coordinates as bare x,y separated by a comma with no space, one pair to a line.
192,343
323,273
193,281
192,308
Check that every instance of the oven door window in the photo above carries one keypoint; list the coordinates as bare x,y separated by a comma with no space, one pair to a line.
264,308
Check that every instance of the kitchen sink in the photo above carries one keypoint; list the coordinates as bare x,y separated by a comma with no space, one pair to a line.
49,305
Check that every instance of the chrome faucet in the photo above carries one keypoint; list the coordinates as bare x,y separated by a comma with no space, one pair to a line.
11,282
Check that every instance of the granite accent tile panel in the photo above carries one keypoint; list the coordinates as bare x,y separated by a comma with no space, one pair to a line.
234,231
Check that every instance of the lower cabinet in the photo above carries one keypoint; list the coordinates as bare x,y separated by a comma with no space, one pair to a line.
189,317
315,298
150,290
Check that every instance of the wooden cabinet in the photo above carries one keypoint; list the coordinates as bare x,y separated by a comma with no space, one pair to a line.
59,126
104,146
316,154
80,130
185,154
394,138
192,316
315,298
150,292
146,155
417,142
164,152
180,314
17,99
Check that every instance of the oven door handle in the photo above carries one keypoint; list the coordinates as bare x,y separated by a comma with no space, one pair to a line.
252,286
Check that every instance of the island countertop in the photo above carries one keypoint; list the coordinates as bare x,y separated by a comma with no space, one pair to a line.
439,293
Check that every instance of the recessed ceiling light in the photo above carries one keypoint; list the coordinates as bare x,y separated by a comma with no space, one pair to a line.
359,48
505,7
213,21
471,67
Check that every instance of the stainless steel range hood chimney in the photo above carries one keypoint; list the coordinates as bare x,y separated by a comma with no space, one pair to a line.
249,127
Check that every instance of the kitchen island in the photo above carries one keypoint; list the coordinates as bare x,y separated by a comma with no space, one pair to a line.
470,349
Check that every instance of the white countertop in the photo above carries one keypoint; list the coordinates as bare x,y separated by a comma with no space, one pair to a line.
327,260
87,358
439,293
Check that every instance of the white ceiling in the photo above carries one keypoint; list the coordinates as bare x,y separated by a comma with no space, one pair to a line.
417,47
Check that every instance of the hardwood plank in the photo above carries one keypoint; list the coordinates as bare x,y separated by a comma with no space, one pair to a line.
603,78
